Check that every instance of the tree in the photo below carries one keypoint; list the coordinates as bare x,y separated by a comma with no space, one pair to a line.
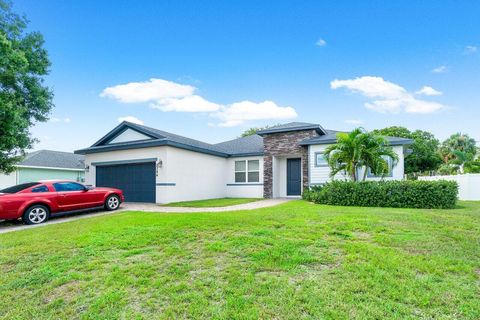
24,99
458,142
424,156
254,130
458,153
359,149
472,167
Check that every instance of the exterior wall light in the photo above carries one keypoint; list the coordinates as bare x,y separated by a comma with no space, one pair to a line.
87,168
159,165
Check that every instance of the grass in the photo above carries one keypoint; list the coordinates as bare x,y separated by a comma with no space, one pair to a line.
212,203
294,261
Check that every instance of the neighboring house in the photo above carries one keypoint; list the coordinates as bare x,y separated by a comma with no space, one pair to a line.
46,165
151,165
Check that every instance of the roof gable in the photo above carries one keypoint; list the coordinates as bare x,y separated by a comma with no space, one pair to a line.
129,135
120,129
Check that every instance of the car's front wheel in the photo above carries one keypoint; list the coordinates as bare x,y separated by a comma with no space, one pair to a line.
112,202
36,214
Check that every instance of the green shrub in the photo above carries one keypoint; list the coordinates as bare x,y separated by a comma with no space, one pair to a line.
396,194
309,194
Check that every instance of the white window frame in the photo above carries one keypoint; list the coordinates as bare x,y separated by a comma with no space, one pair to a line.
246,171
390,169
317,165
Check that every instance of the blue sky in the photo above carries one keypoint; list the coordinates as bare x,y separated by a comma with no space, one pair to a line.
224,66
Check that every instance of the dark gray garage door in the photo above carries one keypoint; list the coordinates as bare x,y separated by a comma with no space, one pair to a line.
137,180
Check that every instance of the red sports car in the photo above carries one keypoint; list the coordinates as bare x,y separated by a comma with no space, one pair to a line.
35,201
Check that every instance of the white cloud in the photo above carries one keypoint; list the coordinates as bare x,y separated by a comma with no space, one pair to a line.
386,96
192,103
413,105
169,96
240,112
131,119
440,69
372,87
470,49
147,91
353,121
321,43
429,91
57,120
161,94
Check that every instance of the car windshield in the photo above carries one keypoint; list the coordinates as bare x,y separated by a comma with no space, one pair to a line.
19,187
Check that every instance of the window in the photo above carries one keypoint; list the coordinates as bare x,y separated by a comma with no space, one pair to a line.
240,171
320,160
247,171
19,187
68,186
390,169
42,188
253,171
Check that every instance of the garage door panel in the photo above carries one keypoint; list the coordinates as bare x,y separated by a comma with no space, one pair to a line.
137,180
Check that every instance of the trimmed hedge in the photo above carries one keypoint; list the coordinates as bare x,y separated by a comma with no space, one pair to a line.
396,194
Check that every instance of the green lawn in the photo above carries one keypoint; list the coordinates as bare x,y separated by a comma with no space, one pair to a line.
294,261
212,203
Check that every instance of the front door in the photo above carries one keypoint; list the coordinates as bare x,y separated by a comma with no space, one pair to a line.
294,177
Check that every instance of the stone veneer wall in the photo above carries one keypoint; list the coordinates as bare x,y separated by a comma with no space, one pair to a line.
283,144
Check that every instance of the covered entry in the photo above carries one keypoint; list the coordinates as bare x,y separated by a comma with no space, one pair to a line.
137,180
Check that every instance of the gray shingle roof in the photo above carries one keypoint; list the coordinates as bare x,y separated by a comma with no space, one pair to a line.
158,138
250,145
180,139
292,126
246,146
53,159
332,138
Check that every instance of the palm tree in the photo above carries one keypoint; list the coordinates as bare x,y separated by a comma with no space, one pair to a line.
458,150
461,158
360,149
457,142
376,153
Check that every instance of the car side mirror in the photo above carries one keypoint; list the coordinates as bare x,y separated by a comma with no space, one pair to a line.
87,188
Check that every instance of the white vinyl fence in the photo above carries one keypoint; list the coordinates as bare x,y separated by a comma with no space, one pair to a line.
469,184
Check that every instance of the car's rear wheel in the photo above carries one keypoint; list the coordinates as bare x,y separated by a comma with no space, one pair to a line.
112,202
36,214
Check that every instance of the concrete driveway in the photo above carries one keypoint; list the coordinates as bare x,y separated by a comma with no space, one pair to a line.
10,226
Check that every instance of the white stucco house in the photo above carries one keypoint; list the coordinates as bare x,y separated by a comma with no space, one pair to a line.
152,165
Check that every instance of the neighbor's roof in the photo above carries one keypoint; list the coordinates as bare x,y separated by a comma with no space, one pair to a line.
53,159
332,138
293,126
